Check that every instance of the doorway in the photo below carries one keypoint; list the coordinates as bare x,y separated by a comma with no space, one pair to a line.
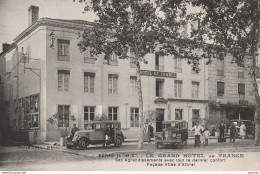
159,119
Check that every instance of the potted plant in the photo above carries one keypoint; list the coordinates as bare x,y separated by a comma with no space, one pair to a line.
62,120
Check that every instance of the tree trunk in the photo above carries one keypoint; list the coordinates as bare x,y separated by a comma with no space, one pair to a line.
256,116
140,96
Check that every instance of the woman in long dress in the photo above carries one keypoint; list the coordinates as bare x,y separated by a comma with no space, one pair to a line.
242,131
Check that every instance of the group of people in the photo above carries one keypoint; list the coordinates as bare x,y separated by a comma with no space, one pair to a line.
202,134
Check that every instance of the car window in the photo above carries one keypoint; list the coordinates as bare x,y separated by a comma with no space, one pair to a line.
117,126
89,126
103,126
98,126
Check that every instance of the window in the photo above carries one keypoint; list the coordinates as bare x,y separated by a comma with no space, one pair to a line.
241,90
177,65
134,117
240,73
178,114
89,113
195,116
220,67
195,89
63,50
112,83
220,88
89,82
112,113
88,56
159,62
132,59
177,88
113,59
133,83
63,80
35,120
63,115
159,87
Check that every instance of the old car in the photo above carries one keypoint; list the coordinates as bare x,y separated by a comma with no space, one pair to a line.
248,124
175,134
97,132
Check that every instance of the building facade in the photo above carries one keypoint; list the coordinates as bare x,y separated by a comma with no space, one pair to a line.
46,74
231,91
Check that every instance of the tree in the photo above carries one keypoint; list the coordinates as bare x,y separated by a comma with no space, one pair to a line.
231,27
136,27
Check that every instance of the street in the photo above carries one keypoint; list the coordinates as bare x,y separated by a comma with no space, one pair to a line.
100,158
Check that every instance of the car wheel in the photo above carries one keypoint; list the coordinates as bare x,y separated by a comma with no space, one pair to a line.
119,141
83,144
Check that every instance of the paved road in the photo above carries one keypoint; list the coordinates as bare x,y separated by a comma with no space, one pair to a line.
99,158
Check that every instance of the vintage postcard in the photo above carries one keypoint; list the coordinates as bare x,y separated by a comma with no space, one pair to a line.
129,85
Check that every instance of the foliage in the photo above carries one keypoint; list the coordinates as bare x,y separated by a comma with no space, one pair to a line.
62,118
150,117
102,117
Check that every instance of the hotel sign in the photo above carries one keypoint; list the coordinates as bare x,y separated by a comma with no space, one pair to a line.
158,74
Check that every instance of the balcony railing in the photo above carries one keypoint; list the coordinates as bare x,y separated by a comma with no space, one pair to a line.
89,60
177,69
64,58
113,62
220,72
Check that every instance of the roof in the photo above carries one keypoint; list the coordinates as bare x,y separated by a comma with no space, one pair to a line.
76,21
63,23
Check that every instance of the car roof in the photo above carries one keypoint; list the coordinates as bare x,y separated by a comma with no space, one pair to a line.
174,121
93,122
239,120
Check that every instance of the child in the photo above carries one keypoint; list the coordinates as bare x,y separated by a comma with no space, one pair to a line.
206,136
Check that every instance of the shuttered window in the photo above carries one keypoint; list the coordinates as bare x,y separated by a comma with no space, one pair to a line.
63,80
89,82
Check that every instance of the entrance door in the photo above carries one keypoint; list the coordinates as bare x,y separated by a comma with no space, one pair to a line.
159,119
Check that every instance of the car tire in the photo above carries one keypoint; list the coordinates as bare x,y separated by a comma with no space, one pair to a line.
83,144
119,141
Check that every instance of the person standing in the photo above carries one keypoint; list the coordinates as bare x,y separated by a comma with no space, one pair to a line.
150,132
222,130
206,135
198,130
74,130
242,130
232,133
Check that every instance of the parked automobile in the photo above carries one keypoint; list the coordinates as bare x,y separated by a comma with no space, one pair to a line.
175,134
96,133
248,124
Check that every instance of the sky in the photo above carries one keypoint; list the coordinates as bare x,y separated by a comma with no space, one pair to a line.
14,15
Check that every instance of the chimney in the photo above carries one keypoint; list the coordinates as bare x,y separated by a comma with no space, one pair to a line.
5,46
33,14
